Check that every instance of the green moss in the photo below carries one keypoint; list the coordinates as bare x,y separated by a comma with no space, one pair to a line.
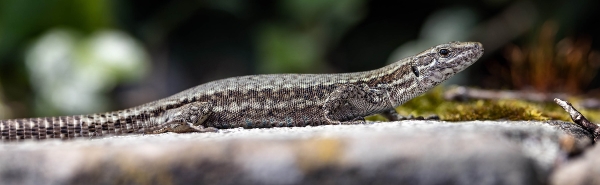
376,117
434,103
424,105
491,110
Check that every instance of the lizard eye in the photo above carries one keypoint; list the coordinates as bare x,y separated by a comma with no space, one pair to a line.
415,70
444,52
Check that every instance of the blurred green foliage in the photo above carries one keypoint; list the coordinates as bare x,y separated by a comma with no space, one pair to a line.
299,44
72,72
20,20
191,42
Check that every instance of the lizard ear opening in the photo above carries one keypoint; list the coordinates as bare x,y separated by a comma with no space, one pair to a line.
415,70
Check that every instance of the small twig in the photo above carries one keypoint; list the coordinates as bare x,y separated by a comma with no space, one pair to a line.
579,119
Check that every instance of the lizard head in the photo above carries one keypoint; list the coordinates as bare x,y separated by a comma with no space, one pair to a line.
421,72
437,64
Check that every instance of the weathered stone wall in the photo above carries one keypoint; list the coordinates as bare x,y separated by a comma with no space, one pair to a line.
406,152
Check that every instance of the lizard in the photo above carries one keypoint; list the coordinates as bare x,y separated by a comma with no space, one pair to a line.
266,100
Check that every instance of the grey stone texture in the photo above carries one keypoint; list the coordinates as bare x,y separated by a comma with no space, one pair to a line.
403,152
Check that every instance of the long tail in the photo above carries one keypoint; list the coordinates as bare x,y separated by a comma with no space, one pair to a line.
122,122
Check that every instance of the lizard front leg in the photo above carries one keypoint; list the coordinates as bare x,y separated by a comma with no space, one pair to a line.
349,104
187,118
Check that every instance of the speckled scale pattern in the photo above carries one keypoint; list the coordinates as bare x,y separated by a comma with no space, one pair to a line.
262,101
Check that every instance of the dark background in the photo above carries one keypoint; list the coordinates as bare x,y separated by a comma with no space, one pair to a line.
546,46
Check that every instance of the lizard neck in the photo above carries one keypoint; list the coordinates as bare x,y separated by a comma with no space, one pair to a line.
398,79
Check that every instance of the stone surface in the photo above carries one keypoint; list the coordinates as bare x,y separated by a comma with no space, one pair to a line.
404,152
583,170
580,138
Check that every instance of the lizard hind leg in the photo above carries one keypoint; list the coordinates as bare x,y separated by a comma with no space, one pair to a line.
186,118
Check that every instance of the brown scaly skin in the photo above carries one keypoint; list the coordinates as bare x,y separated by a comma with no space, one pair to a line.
274,100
